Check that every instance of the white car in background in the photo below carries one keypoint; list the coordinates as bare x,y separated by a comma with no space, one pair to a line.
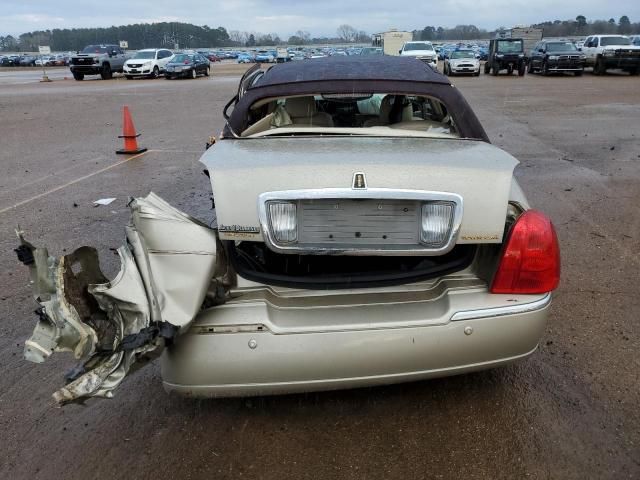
422,51
150,62
462,61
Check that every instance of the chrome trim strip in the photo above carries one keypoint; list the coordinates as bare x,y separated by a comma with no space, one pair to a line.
370,193
501,311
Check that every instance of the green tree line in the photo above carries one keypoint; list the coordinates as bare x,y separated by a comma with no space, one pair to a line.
144,35
186,35
556,28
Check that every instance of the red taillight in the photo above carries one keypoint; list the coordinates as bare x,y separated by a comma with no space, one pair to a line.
530,260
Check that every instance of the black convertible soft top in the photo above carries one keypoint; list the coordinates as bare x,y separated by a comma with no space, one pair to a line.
340,75
363,68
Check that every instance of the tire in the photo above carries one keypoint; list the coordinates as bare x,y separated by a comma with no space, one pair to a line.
599,68
495,69
545,69
521,69
78,76
476,74
156,72
194,74
106,73
530,67
207,72
487,68
633,72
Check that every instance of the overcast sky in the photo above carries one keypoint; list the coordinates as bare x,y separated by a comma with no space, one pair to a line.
319,17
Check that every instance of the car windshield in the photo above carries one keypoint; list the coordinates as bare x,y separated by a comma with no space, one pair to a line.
377,114
417,46
95,49
151,54
606,41
463,54
181,58
561,47
510,46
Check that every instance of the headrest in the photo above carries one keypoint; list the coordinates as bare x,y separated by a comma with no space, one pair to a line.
300,106
385,106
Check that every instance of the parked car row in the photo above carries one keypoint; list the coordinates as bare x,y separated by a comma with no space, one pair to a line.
601,52
104,60
55,60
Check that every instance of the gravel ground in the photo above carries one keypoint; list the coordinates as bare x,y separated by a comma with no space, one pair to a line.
570,411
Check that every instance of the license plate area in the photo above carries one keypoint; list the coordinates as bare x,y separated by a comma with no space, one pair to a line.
359,222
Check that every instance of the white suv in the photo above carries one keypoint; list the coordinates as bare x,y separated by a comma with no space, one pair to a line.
611,51
422,51
150,62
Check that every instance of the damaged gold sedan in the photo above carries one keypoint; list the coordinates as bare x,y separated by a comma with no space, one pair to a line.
167,266
367,233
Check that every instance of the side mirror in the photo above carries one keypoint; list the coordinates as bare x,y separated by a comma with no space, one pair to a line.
400,51
541,50
579,49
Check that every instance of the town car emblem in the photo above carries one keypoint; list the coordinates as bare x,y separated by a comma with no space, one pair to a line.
359,181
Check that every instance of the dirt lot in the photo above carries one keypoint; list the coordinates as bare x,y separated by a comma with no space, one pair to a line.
570,411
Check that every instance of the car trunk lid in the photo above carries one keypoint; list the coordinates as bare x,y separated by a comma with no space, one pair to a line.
241,170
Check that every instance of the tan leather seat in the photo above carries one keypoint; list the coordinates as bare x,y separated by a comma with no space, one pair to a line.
302,111
385,111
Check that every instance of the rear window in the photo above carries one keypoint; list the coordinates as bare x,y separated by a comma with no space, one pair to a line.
418,46
95,49
463,54
606,41
145,55
510,46
377,114
561,47
181,57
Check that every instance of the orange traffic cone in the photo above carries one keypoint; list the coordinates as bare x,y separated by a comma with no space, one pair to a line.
129,135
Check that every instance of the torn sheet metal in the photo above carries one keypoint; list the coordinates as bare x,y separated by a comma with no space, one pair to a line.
113,327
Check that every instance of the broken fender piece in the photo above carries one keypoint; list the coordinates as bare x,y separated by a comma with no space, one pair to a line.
114,327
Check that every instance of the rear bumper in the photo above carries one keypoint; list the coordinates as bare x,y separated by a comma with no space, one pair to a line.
245,360
560,66
94,69
617,62
461,70
183,74
140,71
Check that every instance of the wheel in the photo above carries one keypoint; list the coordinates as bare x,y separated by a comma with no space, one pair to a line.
207,72
194,74
476,74
156,72
129,77
578,73
487,68
495,69
78,76
599,68
106,73
530,67
633,72
521,69
545,68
